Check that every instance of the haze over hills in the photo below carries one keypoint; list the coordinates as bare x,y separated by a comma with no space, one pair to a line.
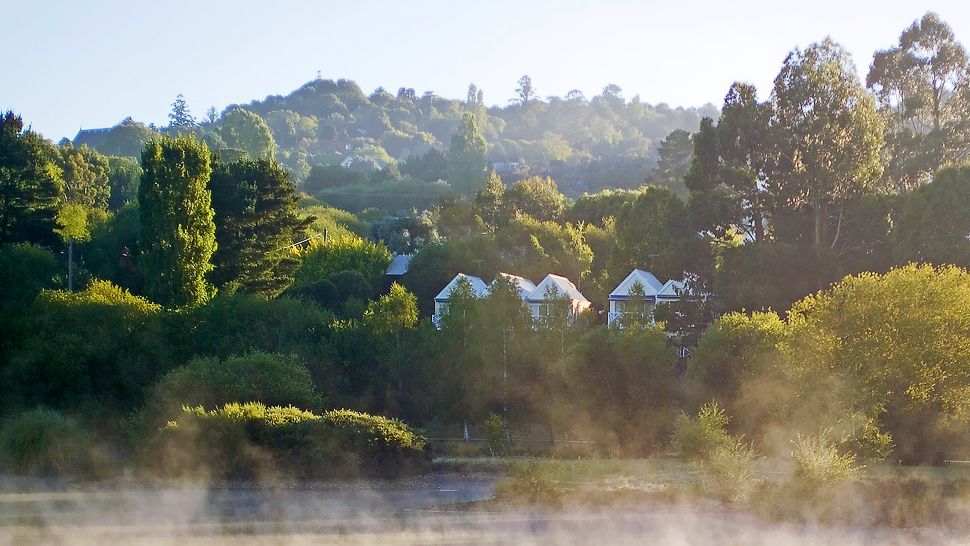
585,143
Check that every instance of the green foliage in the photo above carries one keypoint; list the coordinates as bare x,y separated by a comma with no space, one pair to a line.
616,387
437,263
85,175
921,87
490,201
698,438
529,483
97,349
127,139
674,160
768,276
256,442
177,236
534,249
536,197
496,434
829,132
466,157
25,270
72,223
652,233
210,381
257,220
123,176
596,208
894,346
237,324
247,131
30,182
42,442
393,195
334,222
112,252
324,259
731,470
737,363
933,222
322,177
818,462
729,174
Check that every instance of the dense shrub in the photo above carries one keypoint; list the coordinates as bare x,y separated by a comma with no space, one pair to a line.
695,438
730,470
326,258
272,379
738,364
255,442
25,270
100,347
236,324
818,462
42,442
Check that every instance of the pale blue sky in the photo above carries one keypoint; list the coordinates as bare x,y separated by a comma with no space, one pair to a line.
69,64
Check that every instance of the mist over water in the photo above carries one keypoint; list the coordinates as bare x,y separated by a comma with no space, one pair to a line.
431,510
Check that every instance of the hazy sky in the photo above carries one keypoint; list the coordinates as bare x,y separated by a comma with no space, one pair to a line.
72,64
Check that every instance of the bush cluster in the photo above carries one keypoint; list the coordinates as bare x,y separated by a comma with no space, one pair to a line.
254,442
43,442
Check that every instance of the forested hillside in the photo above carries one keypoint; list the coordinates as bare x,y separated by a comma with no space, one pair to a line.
586,144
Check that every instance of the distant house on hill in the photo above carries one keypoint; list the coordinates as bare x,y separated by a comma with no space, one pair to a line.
400,263
551,295
442,300
639,293
399,266
92,138
550,298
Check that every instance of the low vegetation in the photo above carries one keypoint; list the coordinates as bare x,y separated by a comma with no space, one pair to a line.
254,442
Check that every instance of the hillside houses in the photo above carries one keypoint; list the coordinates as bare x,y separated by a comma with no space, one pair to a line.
632,300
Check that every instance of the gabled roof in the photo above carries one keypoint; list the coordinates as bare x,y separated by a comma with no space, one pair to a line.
651,286
671,289
561,285
478,287
399,265
522,284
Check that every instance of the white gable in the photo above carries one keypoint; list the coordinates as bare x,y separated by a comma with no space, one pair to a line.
523,285
651,286
671,289
478,287
560,285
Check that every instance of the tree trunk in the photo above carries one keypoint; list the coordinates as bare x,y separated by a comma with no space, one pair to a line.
819,225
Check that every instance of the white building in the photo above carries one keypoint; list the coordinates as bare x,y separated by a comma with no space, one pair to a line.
549,296
522,285
478,286
652,290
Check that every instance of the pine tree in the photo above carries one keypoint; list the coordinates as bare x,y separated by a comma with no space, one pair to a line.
257,218
180,116
177,230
